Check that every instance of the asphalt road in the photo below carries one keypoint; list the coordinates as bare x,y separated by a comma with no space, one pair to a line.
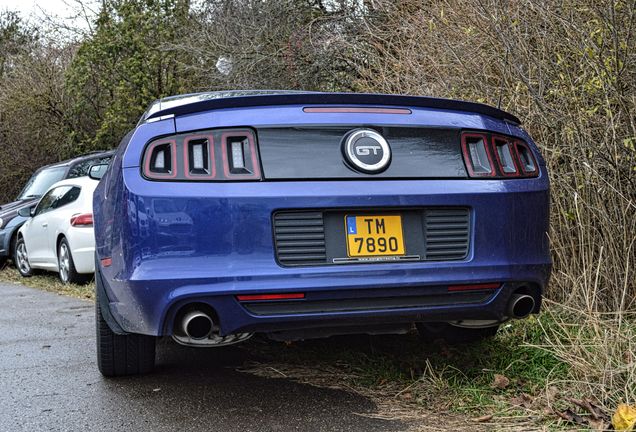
49,382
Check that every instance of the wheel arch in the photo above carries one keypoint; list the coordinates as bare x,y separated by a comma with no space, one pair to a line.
58,240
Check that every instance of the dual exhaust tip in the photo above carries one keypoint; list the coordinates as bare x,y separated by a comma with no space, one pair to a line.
197,325
520,306
198,328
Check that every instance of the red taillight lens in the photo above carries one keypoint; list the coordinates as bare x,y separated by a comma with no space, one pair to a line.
477,155
198,157
195,157
526,159
160,161
258,297
504,153
240,160
82,220
497,156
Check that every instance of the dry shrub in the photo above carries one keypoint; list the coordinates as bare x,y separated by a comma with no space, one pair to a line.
568,69
600,349
34,117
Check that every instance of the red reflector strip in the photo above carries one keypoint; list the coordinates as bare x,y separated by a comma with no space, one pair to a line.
106,262
358,110
253,297
474,287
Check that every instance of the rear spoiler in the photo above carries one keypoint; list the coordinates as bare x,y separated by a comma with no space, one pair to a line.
332,99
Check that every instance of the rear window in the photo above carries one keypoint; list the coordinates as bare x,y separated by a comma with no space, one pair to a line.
80,169
71,195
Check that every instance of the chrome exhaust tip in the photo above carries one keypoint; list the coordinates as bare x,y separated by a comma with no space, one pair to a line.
197,325
520,306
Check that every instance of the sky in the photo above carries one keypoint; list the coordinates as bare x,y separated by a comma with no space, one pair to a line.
26,7
34,10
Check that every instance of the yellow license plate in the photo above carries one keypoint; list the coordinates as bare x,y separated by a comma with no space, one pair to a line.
374,235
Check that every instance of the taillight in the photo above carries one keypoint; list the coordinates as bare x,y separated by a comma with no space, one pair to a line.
198,157
216,155
477,155
161,160
526,159
497,156
240,160
504,155
82,220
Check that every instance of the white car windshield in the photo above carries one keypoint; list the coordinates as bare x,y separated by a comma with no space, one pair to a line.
41,182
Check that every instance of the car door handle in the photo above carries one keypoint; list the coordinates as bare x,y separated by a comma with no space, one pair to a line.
45,224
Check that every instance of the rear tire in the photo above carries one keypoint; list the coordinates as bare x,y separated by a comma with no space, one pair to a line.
453,335
66,266
119,355
12,245
22,258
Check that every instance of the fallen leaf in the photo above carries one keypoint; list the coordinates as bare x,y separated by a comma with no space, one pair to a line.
596,412
500,382
483,419
598,425
523,400
552,393
572,417
624,419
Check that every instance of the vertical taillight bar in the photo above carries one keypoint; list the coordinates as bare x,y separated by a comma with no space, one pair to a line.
477,157
527,162
160,160
505,155
240,161
198,157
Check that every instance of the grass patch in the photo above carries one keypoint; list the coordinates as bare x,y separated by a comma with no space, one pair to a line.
401,371
48,282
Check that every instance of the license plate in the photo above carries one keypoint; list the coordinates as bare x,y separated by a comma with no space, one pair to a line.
374,235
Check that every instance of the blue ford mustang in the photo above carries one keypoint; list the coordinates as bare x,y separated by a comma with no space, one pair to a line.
301,215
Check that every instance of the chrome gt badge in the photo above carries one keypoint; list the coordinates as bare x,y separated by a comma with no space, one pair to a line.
367,151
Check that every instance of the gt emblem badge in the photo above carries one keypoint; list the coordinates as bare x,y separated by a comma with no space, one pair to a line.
366,151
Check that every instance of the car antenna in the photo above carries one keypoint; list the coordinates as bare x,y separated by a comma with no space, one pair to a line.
501,84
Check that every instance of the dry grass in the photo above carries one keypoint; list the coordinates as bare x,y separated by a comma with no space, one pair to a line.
600,349
47,282
411,382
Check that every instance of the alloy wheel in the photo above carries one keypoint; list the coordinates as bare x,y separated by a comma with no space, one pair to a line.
64,262
23,259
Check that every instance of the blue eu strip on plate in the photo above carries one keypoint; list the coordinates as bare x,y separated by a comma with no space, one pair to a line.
351,225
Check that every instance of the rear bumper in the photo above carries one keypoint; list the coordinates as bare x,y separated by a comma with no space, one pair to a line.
228,250
364,283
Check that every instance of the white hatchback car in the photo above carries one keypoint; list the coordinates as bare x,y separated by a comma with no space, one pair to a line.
59,234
